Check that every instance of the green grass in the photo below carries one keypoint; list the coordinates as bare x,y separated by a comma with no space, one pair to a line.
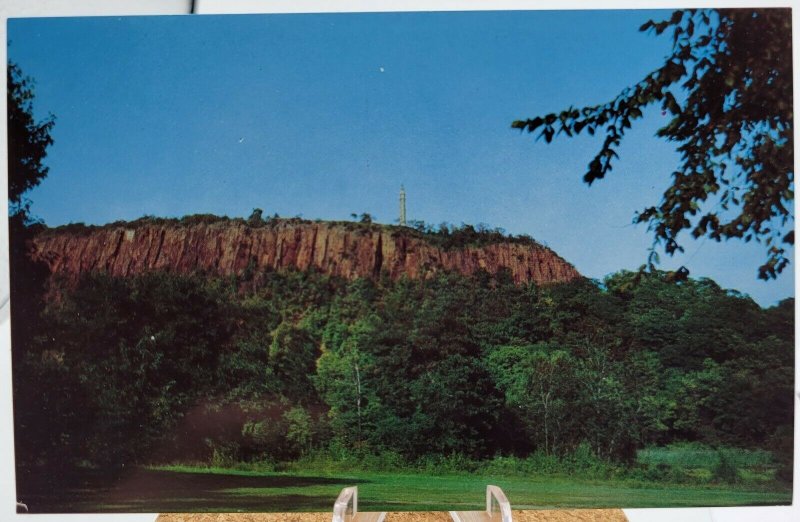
697,463
400,491
187,488
674,476
693,456
383,491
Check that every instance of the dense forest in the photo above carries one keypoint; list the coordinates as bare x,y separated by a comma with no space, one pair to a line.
275,367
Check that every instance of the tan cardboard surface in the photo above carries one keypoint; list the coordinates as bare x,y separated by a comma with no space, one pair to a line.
554,515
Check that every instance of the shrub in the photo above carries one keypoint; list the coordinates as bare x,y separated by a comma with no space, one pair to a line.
783,443
451,463
223,454
201,219
255,219
725,470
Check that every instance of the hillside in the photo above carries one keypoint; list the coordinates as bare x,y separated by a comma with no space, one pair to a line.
221,246
315,368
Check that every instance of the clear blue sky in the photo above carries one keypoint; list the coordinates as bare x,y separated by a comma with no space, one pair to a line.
326,115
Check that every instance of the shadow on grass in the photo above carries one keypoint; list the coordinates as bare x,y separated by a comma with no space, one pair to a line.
154,491
224,503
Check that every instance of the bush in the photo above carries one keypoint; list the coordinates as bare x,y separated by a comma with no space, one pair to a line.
452,463
543,463
384,461
338,458
725,471
782,443
202,219
582,462
75,229
223,454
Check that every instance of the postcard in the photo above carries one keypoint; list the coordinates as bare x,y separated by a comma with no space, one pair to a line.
258,260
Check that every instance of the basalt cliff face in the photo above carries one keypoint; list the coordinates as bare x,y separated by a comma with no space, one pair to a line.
232,248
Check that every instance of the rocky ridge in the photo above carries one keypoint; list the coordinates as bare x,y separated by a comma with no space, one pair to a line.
348,250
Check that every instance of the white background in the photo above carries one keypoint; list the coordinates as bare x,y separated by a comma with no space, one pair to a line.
30,8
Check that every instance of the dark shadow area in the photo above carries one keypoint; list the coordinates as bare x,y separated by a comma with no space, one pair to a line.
222,503
148,491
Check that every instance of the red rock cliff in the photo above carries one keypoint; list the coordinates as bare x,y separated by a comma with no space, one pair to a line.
228,247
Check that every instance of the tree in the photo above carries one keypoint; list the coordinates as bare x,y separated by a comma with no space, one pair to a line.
292,357
256,219
457,408
27,140
728,86
299,430
365,217
27,148
342,380
538,382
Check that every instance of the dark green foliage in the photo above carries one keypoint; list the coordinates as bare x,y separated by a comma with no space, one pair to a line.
148,221
445,371
782,443
135,353
450,237
725,470
727,86
40,385
75,229
202,219
292,359
27,140
255,219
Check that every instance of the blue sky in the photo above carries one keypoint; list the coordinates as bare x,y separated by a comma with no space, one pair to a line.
326,115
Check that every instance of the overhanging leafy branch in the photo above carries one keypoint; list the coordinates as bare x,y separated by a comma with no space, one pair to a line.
727,86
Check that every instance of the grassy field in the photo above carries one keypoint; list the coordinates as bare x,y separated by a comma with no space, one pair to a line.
183,488
695,463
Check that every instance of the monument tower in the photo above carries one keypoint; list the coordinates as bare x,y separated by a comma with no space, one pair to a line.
402,206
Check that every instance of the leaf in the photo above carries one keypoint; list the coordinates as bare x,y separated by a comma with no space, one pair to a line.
534,124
